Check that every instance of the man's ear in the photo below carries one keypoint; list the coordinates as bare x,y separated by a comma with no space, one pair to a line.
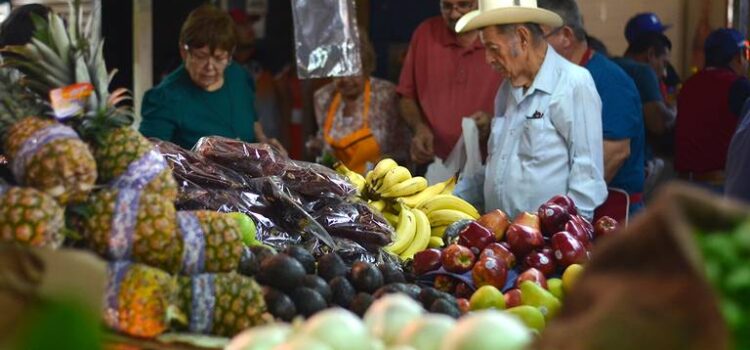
524,35
183,52
569,36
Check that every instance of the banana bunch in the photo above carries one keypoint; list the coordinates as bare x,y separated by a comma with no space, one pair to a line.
354,177
412,233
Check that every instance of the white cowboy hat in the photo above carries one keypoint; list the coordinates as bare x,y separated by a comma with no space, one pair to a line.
492,12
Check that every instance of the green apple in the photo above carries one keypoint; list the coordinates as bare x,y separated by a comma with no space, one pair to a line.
530,316
533,294
554,286
247,228
487,297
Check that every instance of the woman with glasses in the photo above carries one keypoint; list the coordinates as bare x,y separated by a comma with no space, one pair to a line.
208,94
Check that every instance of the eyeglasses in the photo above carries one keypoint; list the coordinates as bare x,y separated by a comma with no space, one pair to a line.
461,6
202,59
553,32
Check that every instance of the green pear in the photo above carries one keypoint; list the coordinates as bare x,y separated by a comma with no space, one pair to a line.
533,294
247,228
554,286
530,316
487,297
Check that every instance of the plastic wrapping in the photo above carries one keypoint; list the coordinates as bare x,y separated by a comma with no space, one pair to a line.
356,222
326,38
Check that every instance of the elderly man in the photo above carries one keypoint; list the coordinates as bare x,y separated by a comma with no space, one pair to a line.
443,80
622,117
546,136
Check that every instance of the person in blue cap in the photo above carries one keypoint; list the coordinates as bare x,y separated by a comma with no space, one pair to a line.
647,22
710,106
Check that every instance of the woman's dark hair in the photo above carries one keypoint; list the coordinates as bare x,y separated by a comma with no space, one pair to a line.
18,28
209,26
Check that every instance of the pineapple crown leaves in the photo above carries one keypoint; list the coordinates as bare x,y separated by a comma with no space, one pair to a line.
16,102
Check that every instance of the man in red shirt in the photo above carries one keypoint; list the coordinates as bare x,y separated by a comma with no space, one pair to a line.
709,108
444,78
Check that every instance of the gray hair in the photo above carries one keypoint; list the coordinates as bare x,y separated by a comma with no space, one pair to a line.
537,34
571,15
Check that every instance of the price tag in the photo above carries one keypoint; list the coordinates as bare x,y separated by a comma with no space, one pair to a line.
70,100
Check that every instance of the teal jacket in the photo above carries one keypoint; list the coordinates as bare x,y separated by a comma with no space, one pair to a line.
179,111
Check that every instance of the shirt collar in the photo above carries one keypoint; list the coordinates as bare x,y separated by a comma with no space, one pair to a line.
545,80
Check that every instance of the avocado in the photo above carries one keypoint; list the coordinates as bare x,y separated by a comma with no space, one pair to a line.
303,256
307,301
331,266
262,252
413,290
391,288
249,263
450,235
429,295
391,273
445,307
365,277
361,303
342,292
319,285
279,304
281,271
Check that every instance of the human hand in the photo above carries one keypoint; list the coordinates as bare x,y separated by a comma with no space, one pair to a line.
483,121
422,151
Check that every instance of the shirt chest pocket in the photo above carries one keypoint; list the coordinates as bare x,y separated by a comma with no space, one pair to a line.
532,138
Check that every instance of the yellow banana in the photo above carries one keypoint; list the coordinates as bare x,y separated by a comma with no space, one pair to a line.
377,205
395,176
450,186
391,217
421,237
354,178
405,231
406,188
436,242
449,201
414,201
438,231
442,217
383,167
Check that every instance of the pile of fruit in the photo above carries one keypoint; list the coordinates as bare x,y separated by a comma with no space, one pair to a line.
393,322
419,213
727,265
525,265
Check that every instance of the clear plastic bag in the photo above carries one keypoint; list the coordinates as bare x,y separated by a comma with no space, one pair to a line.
353,220
326,38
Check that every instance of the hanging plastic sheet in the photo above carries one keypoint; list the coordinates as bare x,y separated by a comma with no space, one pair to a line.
326,38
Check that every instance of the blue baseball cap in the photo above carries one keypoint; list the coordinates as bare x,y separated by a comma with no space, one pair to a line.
641,23
723,44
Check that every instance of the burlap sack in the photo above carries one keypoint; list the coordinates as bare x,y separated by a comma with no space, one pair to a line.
645,288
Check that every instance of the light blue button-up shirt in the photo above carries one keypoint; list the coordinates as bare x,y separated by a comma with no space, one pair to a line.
546,141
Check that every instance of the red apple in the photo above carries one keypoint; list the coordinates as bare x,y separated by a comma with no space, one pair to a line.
426,261
553,218
496,221
463,291
463,305
445,283
605,226
528,219
457,258
500,252
532,275
565,202
584,223
568,250
489,271
578,231
544,262
475,237
523,239
512,298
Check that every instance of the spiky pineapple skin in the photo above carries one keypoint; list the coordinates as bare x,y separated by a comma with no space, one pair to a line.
224,245
154,241
122,146
239,303
144,297
63,168
31,217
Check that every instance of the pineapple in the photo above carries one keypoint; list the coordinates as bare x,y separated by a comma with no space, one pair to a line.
231,303
63,168
222,240
30,217
154,233
61,55
140,300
